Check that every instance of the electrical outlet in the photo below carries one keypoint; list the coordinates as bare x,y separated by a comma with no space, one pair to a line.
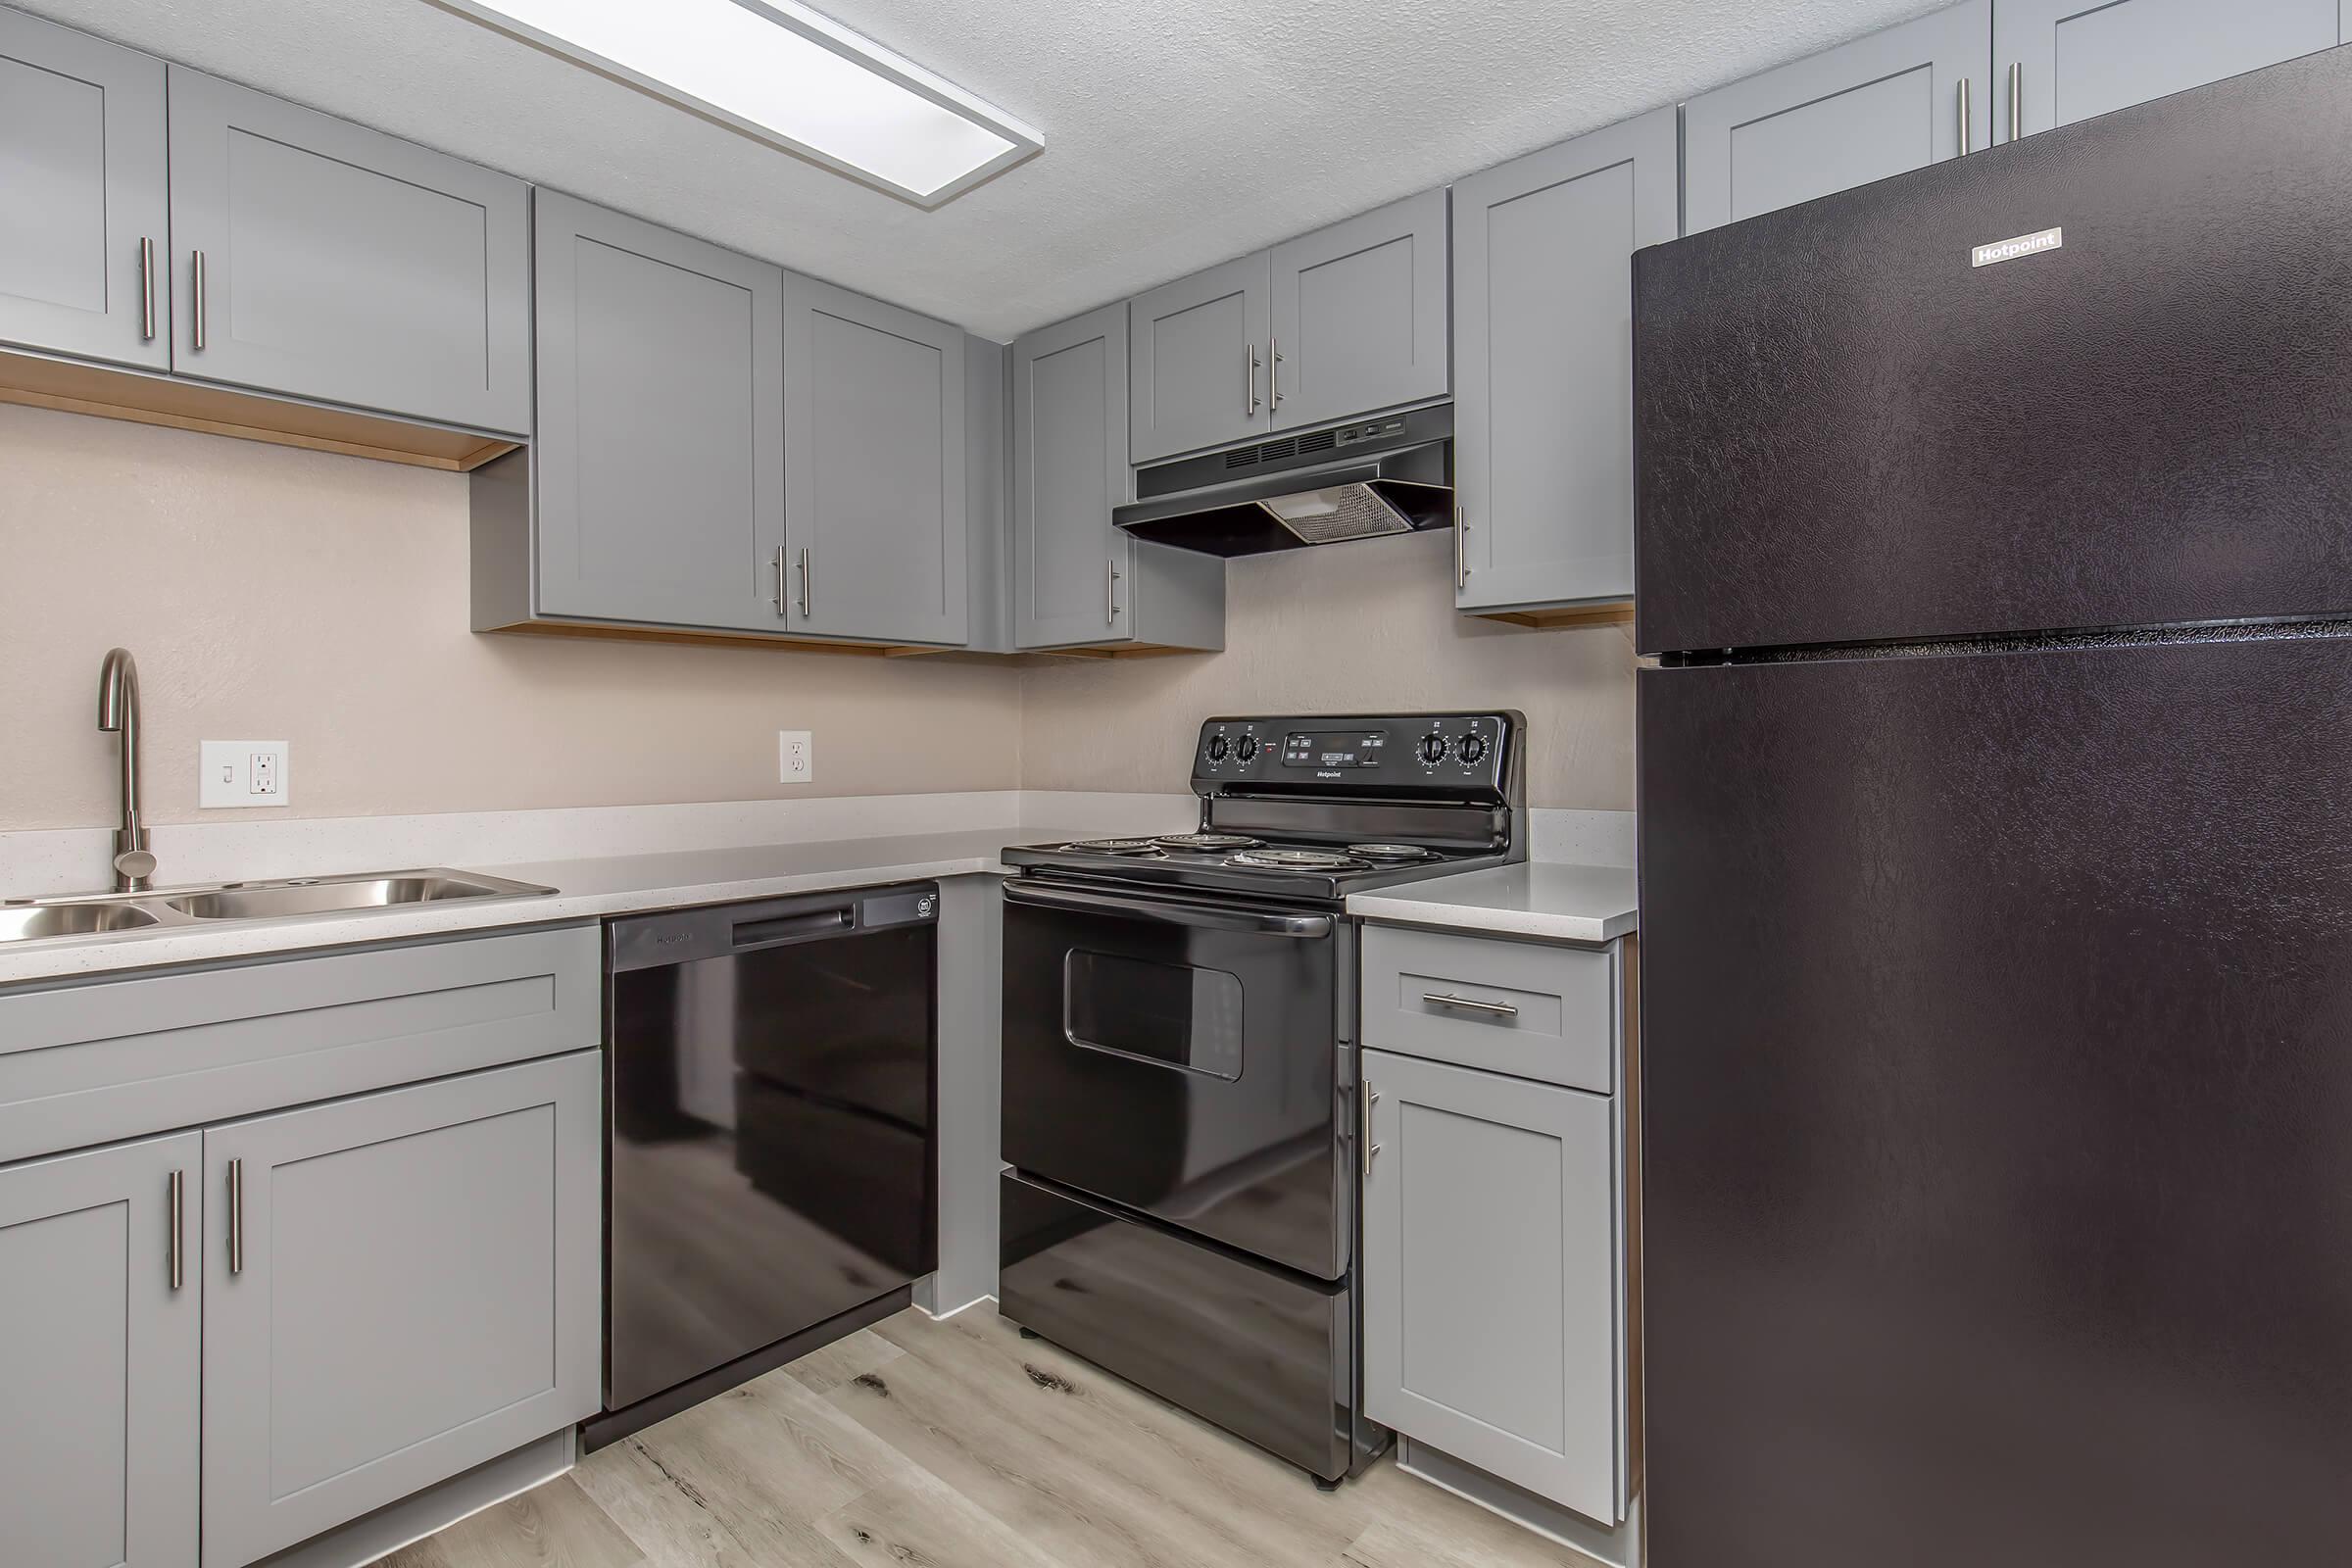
796,757
241,773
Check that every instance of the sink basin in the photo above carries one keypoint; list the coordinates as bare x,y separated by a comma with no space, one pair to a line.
73,921
267,900
94,913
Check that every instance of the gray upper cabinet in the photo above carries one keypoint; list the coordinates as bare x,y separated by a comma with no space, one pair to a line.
99,1356
315,258
1893,101
2060,61
1197,371
1069,468
1078,580
658,472
1543,297
1491,1276
874,463
83,222
1359,315
397,1288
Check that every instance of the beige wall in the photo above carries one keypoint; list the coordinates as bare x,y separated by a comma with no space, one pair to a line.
1368,626
272,594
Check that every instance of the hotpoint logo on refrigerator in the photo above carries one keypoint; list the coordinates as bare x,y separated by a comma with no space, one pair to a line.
2009,250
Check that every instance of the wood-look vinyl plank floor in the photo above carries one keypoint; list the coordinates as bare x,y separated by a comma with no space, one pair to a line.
957,1444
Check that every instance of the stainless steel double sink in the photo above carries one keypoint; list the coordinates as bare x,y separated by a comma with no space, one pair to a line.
94,913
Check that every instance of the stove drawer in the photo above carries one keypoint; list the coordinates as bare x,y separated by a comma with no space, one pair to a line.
1527,1008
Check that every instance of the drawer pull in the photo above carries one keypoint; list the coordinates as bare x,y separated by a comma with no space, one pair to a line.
1494,1010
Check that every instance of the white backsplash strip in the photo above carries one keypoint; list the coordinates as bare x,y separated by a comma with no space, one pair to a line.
75,859
1581,838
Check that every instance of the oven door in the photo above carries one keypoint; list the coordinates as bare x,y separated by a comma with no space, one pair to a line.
1180,1057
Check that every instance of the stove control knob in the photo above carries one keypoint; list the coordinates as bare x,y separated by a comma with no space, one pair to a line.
1473,746
1217,748
1246,748
1433,747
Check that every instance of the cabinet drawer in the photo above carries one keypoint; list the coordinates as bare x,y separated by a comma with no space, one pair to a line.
1526,1008
90,1063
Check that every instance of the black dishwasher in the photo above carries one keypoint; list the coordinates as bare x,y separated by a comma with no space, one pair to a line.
772,1070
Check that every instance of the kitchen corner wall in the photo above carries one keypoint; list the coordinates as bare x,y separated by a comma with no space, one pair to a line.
1361,627
275,594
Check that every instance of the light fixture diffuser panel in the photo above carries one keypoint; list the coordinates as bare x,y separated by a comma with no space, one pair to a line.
779,72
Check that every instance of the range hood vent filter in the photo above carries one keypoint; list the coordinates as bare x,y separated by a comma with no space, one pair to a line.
1347,511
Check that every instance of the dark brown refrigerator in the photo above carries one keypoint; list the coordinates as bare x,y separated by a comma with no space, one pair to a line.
1995,549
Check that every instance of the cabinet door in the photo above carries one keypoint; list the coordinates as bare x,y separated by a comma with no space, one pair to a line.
1197,365
398,1287
1543,329
1894,101
873,468
659,463
81,163
1490,1275
2061,60
1359,315
98,1357
1069,468
344,264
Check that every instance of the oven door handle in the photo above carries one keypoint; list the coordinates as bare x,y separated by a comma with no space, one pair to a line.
1208,919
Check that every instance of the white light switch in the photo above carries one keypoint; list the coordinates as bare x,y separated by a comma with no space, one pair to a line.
796,757
240,774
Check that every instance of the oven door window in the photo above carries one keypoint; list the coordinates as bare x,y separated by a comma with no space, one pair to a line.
1179,1015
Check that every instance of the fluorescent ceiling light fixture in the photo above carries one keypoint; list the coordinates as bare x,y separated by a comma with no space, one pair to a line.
777,70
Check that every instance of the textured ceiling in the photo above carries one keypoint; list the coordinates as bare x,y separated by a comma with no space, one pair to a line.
1177,134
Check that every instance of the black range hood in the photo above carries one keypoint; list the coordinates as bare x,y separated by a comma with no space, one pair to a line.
1364,479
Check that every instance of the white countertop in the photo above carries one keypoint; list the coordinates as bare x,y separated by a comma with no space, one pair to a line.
1537,899
586,889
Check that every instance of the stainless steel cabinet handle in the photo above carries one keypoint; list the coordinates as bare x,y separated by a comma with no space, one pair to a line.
1462,550
805,575
199,327
147,302
1447,998
1111,589
2016,99
1967,120
779,596
180,1211
237,1217
1274,370
1371,1098
1250,377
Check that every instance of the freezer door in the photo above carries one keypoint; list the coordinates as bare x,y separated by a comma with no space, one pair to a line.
1846,431
1997,1038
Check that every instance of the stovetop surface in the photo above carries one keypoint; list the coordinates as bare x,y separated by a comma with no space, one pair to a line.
1265,867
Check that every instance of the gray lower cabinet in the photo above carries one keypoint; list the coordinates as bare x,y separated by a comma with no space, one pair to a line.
1197,362
1543,302
874,455
1894,101
1077,579
657,483
84,221
397,1288
314,257
1491,1295
1359,315
100,1316
2060,61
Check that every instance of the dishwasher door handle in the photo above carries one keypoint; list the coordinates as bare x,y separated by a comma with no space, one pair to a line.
1162,913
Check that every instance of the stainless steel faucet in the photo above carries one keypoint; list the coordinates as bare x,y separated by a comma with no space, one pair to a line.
119,710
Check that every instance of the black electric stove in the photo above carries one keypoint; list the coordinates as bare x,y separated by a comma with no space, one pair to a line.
1180,1063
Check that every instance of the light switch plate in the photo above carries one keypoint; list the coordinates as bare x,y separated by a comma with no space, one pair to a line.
241,773
796,757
